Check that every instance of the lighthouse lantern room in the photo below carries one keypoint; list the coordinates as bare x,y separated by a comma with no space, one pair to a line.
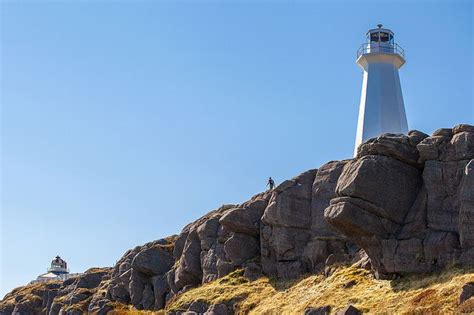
58,266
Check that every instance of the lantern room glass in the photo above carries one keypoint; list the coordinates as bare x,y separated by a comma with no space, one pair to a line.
380,37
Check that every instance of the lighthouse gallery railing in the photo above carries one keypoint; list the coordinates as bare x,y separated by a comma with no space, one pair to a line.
56,268
380,47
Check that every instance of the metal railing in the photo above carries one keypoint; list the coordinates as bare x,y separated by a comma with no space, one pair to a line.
56,268
376,47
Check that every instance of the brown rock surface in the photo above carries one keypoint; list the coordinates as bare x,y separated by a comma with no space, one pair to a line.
404,204
409,217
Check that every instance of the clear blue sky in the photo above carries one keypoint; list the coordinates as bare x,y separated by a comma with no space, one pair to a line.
124,121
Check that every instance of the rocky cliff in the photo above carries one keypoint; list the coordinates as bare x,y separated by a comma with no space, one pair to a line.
405,204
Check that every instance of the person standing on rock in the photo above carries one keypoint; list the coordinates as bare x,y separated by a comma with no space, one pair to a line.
270,183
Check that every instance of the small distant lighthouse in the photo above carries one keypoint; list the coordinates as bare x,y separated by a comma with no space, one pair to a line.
381,108
58,266
57,271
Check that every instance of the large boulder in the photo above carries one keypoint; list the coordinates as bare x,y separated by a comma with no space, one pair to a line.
388,184
160,289
189,270
246,219
91,278
241,247
132,277
408,214
294,237
397,146
286,227
467,292
375,193
290,208
156,260
323,190
217,243
448,144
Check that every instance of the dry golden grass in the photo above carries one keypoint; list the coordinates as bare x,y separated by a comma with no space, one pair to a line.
436,293
122,309
416,294
97,269
27,292
232,287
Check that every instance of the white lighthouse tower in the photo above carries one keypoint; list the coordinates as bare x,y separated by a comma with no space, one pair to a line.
381,108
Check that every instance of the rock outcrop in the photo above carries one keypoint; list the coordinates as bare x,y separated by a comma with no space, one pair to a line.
138,278
295,238
467,292
408,200
405,204
58,297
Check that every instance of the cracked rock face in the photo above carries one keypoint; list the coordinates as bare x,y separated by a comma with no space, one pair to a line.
404,204
218,243
58,297
295,238
408,200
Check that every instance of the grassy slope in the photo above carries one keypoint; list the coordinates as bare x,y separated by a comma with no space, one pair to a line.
417,294
33,292
29,292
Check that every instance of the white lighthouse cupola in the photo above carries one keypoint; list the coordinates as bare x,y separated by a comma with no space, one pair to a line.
58,266
57,271
381,108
